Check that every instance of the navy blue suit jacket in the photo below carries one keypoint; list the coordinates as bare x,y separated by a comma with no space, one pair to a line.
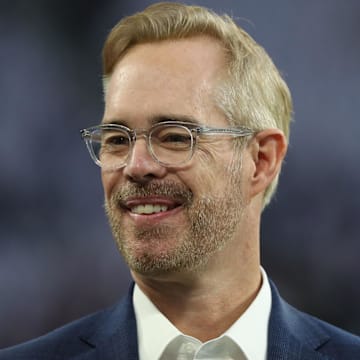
111,335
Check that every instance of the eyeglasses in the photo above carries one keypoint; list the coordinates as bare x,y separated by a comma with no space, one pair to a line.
170,143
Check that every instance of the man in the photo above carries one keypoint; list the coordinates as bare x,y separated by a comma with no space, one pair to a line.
191,144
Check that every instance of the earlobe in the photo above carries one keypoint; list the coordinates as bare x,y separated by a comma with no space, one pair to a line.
268,151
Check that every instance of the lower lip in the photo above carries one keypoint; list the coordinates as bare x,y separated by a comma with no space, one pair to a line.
153,219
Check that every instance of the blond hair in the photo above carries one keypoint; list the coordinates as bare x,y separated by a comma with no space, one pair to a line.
252,92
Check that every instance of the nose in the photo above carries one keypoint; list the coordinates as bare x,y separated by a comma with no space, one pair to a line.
141,167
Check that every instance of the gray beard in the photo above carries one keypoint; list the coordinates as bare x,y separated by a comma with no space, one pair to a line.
212,223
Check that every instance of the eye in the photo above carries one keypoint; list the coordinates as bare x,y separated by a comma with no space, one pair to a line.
175,138
114,139
172,137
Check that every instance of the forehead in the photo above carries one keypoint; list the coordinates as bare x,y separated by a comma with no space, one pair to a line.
154,79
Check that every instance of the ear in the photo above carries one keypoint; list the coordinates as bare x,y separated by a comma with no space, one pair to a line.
268,149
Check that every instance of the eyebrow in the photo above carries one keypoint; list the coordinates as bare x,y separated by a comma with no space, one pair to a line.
115,121
173,117
156,120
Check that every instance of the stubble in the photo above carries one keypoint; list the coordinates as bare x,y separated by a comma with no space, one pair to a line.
211,222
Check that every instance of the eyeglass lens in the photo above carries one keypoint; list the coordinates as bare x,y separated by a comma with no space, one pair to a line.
168,144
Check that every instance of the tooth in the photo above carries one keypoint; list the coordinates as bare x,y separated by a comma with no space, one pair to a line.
148,209
138,209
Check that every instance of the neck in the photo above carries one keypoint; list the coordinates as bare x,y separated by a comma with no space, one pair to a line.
204,304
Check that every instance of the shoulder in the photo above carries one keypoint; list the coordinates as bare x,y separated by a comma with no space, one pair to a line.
81,338
300,330
337,342
69,339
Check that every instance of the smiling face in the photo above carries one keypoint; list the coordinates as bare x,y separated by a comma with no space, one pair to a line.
169,219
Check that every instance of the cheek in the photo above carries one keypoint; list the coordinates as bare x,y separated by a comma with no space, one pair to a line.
109,181
217,155
211,173
213,151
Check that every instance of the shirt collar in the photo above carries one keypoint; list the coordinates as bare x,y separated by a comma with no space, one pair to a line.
249,331
154,330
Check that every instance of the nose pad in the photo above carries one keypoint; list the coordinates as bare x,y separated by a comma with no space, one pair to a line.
141,166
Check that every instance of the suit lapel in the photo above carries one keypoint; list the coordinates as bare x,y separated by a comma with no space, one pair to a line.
290,336
115,338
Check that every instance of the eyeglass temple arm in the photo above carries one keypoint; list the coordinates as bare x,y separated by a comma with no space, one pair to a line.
227,131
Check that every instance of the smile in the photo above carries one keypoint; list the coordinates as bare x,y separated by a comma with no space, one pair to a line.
148,209
151,206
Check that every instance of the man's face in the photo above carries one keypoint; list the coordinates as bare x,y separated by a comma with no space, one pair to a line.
171,219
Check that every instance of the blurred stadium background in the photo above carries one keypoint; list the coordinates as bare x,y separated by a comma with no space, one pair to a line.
57,258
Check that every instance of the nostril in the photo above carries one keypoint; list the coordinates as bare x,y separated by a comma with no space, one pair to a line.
140,179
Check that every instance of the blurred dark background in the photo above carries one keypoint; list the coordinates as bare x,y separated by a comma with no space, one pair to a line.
57,257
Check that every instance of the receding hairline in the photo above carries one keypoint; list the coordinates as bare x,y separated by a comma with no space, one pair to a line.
170,21
206,38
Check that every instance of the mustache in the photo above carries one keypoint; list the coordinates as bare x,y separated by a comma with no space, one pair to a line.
168,188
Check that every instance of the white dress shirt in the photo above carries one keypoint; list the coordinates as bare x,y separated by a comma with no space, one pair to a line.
246,339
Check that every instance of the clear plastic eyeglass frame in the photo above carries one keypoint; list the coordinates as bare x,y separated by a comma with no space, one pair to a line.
170,143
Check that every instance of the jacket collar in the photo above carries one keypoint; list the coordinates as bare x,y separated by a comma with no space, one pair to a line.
115,335
291,334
